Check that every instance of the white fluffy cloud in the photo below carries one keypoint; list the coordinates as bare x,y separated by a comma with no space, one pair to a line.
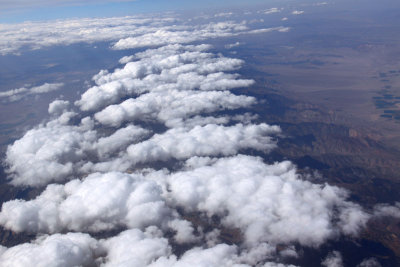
170,105
72,249
101,178
184,231
220,255
164,70
56,150
264,201
208,140
36,35
211,30
119,140
136,248
297,12
184,143
387,210
48,153
99,202
267,202
334,259
58,107
130,248
128,32
271,10
20,93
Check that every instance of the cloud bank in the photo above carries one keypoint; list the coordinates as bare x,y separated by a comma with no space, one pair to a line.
125,32
154,164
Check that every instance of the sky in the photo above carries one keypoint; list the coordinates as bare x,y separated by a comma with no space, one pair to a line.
23,10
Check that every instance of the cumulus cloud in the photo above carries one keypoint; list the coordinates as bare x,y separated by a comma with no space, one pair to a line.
371,262
353,219
126,32
171,68
48,153
383,210
56,150
229,46
163,37
129,248
220,255
72,249
169,105
208,140
264,201
184,143
149,248
36,35
101,174
58,107
223,14
271,10
334,259
297,12
268,202
99,202
136,248
184,231
20,93
119,140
